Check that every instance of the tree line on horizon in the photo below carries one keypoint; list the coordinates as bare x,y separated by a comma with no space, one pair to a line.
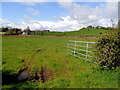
28,31
19,31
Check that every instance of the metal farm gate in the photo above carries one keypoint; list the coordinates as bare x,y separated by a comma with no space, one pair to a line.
81,49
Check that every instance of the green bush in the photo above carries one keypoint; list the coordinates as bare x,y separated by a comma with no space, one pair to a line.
108,49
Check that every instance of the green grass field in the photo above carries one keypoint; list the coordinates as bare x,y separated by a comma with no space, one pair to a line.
1,33
87,32
69,72
81,32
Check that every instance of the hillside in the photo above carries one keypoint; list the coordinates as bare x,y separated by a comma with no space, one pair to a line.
81,32
90,32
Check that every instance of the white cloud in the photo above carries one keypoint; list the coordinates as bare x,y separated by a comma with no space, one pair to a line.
67,24
30,3
80,16
27,17
11,24
92,16
3,22
33,11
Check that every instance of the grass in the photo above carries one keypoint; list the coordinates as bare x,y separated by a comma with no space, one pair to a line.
81,32
0,53
87,32
69,72
1,33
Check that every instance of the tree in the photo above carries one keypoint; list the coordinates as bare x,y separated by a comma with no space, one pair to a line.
20,31
10,31
90,27
5,29
27,31
17,31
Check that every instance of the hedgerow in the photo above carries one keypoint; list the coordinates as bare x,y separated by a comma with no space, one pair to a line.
108,49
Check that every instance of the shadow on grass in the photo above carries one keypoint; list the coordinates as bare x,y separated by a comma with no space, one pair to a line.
9,78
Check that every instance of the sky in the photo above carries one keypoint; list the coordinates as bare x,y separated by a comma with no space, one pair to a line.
58,16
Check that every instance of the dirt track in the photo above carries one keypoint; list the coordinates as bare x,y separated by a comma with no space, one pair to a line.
75,37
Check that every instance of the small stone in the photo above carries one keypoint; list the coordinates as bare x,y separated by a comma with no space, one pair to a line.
23,75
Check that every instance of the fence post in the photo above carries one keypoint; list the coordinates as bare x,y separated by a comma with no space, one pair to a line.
67,47
74,48
86,50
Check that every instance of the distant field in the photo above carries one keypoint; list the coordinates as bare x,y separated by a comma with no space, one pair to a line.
88,32
1,33
82,32
50,52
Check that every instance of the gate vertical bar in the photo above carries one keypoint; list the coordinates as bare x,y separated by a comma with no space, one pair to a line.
74,48
86,50
67,47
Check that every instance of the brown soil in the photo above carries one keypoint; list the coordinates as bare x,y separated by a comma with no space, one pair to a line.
66,62
75,37
14,35
39,51
45,75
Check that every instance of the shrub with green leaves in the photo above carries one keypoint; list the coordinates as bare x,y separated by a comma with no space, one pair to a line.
108,49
